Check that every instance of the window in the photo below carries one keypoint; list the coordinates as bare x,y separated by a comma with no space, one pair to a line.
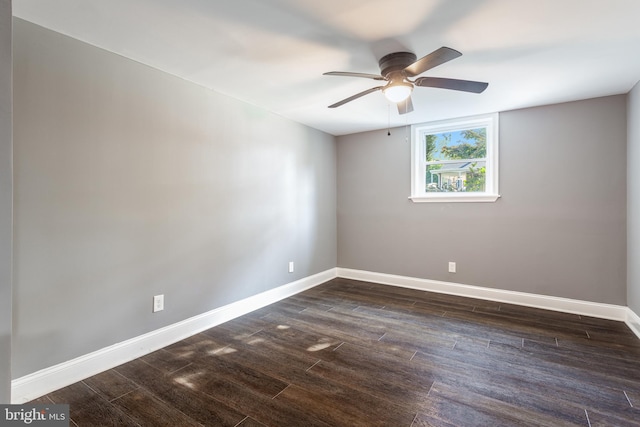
455,160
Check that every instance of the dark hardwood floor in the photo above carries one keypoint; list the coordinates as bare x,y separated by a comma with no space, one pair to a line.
350,353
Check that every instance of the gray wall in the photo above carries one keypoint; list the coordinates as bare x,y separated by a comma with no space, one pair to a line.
6,201
559,228
633,200
130,182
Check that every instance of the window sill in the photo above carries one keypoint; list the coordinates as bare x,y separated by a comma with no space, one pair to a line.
455,198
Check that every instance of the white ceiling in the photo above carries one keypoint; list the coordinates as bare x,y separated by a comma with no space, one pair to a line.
272,53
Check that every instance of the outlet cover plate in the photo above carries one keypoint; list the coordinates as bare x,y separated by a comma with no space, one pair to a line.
158,303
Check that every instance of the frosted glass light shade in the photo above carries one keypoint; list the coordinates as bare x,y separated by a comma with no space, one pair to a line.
398,92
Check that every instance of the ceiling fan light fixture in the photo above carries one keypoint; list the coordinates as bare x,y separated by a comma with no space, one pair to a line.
397,68
398,92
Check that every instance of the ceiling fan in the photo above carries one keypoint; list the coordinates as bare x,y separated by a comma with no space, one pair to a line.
396,69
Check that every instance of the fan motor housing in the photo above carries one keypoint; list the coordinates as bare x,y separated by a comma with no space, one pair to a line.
396,61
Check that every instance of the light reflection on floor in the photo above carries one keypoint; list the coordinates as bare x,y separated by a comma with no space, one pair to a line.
323,343
221,351
187,379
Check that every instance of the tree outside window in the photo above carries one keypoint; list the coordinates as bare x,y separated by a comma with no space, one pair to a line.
456,161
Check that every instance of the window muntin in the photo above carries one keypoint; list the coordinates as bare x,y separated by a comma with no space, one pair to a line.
455,160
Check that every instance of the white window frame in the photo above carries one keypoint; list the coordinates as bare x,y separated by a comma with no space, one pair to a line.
418,159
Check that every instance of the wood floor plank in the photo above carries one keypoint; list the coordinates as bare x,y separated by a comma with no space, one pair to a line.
87,408
250,422
517,372
178,391
529,330
349,353
460,407
344,406
294,339
165,361
627,418
634,399
266,410
403,331
610,349
446,327
224,368
312,322
538,322
148,410
198,345
110,384
283,307
605,366
395,387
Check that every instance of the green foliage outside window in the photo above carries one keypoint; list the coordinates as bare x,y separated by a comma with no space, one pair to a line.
460,145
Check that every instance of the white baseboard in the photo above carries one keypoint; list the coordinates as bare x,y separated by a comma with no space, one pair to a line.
49,379
633,322
585,308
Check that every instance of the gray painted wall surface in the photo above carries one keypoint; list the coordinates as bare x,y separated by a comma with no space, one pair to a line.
130,182
6,200
633,200
559,228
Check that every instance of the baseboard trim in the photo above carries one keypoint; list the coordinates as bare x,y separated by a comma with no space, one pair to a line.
585,308
633,322
39,383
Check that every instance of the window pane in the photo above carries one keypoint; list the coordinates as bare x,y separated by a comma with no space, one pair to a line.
455,160
465,176
463,144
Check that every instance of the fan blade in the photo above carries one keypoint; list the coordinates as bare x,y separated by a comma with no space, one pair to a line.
348,74
405,106
356,96
435,58
453,84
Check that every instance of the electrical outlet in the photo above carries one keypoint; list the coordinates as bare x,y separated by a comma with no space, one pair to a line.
290,266
158,303
452,267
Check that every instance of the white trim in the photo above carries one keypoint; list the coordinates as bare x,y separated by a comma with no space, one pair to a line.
585,308
55,377
455,198
633,322
49,379
418,165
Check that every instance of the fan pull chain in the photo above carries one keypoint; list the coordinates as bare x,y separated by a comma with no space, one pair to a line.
406,127
388,119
